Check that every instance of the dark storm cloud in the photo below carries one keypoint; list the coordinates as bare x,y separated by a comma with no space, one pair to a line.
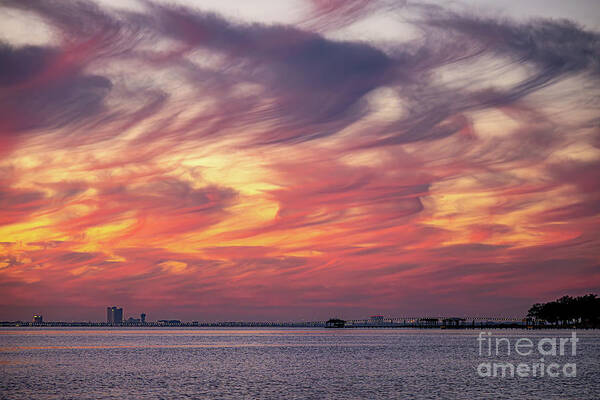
555,47
316,82
311,81
313,86
51,87
550,50
20,64
34,98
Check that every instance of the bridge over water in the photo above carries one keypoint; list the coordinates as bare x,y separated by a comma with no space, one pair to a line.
434,321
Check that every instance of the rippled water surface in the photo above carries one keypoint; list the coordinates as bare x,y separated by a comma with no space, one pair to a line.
88,363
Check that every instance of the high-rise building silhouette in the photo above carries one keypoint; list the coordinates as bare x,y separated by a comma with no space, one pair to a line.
143,318
114,315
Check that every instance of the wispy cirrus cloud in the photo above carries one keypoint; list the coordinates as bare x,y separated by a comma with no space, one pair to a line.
166,157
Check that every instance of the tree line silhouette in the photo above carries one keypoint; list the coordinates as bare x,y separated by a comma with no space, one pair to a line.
583,311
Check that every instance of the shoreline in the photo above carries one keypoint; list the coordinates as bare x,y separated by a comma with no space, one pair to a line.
289,325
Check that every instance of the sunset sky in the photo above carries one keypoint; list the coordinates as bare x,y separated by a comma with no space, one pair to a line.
297,160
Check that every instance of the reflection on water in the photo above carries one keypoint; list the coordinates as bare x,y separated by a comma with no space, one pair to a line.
272,363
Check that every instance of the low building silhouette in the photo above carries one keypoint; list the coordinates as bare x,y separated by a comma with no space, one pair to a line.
428,322
169,322
335,323
114,315
453,322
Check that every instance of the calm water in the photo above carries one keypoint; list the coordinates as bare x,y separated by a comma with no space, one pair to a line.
50,363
